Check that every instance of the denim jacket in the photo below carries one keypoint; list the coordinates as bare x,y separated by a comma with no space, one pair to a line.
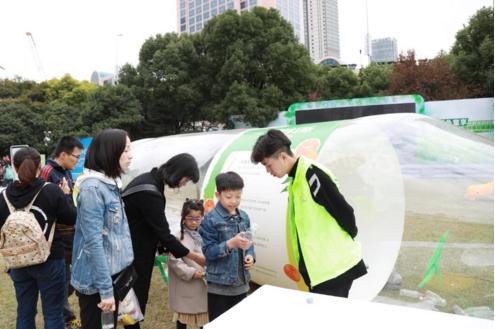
224,266
102,242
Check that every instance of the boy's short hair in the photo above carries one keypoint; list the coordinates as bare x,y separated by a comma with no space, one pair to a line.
269,144
229,181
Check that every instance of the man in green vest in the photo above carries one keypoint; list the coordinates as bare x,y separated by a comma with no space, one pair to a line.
320,223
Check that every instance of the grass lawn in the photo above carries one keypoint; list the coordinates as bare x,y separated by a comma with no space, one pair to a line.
158,316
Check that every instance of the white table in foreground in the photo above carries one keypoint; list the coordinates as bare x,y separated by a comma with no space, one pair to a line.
272,307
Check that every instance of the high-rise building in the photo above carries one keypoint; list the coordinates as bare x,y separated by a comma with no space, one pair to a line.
321,28
194,14
384,50
315,22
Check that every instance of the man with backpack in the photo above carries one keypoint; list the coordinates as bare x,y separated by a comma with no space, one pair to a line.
57,171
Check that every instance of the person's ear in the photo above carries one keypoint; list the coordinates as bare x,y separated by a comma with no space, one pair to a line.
217,194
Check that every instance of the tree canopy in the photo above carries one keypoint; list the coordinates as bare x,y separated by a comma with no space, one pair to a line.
249,65
473,52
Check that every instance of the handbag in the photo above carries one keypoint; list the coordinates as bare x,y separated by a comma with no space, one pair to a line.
124,281
129,311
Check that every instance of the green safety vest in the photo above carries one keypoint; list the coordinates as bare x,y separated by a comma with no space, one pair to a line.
327,248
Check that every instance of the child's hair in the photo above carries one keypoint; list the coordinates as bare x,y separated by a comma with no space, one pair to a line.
190,204
229,181
270,145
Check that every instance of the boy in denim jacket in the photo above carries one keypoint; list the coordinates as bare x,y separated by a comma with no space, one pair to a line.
229,255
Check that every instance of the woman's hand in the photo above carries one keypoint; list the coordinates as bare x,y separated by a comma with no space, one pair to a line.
107,304
197,258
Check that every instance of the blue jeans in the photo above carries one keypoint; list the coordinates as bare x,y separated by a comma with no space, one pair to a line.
49,280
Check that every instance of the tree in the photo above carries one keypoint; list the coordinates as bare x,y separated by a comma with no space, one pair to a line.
21,89
20,124
110,107
337,82
374,80
255,66
432,79
166,82
473,52
68,90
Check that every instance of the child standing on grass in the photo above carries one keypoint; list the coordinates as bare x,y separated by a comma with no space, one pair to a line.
229,255
187,288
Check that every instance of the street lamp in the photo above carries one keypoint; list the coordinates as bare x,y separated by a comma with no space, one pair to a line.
47,139
117,68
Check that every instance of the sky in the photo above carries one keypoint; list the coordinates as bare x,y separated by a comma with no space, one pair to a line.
79,37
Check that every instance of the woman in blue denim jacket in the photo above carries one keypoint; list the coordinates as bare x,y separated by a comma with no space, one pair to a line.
229,254
102,242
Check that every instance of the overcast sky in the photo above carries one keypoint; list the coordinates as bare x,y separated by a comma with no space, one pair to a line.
79,37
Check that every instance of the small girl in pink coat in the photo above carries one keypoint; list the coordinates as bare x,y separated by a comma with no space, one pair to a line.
187,293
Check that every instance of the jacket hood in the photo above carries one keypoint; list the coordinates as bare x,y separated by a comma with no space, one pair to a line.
88,173
20,196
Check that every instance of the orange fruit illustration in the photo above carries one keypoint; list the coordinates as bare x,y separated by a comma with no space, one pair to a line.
292,272
209,205
308,148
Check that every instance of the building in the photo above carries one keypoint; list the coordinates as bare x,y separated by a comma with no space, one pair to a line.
330,61
102,78
315,22
321,28
384,50
194,14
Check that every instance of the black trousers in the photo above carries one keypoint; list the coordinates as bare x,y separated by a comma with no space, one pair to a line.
340,290
144,261
219,304
90,312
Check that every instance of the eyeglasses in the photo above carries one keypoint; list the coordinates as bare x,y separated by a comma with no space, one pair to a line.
77,156
194,218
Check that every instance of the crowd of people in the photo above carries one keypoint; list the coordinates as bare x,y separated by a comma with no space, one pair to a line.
103,232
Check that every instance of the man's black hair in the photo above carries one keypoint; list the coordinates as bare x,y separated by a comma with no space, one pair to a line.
229,181
270,144
67,144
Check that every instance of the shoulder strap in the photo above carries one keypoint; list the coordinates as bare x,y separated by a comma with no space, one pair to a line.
52,232
9,205
140,188
28,207
32,201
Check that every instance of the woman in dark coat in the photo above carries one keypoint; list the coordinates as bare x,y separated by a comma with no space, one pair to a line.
149,227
